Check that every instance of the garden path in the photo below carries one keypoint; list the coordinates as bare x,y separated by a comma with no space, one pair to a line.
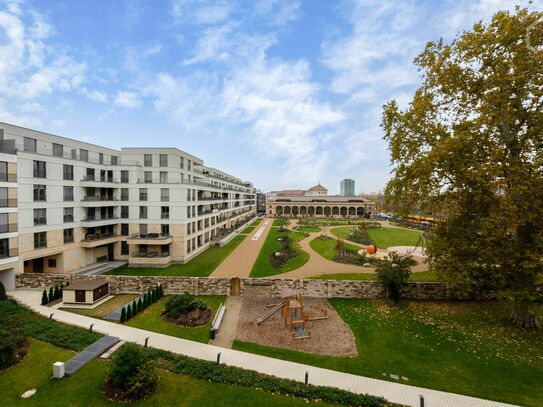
227,330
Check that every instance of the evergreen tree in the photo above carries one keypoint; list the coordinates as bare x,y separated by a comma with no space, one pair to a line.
44,298
3,295
51,294
142,304
129,312
123,315
57,292
134,307
152,293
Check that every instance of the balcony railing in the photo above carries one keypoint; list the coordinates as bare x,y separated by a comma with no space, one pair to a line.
91,178
13,252
149,236
99,218
7,177
150,255
8,203
8,228
99,199
98,236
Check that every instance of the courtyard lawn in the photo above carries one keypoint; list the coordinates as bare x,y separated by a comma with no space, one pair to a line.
308,229
150,319
248,230
460,347
327,247
83,388
420,276
279,222
263,267
103,309
383,237
200,266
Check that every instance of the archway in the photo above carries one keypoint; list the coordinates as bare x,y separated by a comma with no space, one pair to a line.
319,210
360,211
352,211
335,210
311,210
303,210
327,211
295,210
279,210
343,211
286,211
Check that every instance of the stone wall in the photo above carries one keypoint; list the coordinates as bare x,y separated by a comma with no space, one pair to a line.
248,286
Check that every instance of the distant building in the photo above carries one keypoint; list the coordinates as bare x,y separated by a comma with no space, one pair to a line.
317,190
347,187
261,203
289,192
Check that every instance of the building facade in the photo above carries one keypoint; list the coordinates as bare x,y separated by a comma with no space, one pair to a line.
346,187
261,203
67,204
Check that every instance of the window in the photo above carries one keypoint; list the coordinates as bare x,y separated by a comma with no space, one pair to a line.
143,194
148,160
40,240
188,165
143,212
124,249
163,160
68,215
143,229
84,155
163,177
3,171
58,150
182,162
29,144
68,194
164,194
124,176
188,195
4,248
74,154
4,223
114,160
52,263
39,193
100,158
68,235
124,212
164,212
124,229
188,211
39,169
68,172
40,217
148,177
124,194
165,230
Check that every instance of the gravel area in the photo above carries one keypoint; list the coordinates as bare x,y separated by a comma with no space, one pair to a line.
328,336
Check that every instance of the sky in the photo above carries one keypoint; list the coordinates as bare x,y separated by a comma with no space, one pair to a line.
285,94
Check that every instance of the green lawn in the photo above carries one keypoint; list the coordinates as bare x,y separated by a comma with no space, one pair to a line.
151,320
327,247
279,222
83,388
420,276
247,230
384,237
460,347
308,229
263,267
104,309
200,266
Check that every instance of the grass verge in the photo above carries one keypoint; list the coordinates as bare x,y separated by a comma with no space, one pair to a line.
420,276
103,309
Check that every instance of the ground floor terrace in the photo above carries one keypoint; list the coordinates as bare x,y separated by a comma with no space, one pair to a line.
322,209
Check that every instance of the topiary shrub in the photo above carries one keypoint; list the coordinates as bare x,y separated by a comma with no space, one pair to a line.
129,312
8,349
3,295
44,298
134,307
187,310
51,294
152,295
57,292
123,315
141,305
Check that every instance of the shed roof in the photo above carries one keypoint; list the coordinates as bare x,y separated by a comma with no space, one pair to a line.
86,285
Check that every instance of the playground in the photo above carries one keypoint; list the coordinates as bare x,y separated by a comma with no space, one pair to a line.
296,323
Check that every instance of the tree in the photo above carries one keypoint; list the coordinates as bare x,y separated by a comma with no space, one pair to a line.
125,363
3,295
340,248
135,307
51,294
44,298
123,315
129,312
57,292
471,143
393,272
141,305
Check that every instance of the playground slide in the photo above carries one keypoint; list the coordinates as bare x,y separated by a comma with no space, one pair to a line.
270,312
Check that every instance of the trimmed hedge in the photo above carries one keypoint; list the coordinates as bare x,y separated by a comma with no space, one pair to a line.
210,371
139,304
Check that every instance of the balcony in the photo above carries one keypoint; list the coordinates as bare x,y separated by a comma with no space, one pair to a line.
6,254
8,228
150,239
93,201
150,259
98,181
99,239
8,177
8,203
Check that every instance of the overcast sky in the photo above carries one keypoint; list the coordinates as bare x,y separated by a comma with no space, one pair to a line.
281,93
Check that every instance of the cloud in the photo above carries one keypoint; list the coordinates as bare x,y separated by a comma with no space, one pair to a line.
127,99
200,11
95,95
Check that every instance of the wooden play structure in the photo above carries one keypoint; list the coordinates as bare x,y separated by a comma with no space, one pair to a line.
292,310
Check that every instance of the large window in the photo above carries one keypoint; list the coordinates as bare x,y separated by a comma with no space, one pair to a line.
100,158
148,160
124,176
163,177
4,223
39,169
39,193
124,212
143,230
68,172
84,155
68,215
164,212
124,249
182,162
143,212
68,235
40,240
163,160
165,230
29,144
124,229
3,171
114,160
58,150
124,194
148,177
40,216
68,194
164,194
4,248
143,194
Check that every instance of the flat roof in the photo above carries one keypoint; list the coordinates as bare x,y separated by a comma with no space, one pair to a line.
86,285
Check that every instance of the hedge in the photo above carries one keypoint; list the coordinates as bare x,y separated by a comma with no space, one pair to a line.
210,371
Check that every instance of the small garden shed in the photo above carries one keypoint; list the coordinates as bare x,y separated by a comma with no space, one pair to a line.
85,292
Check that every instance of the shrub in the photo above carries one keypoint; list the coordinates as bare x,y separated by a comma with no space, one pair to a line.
160,291
134,307
141,305
3,295
123,315
152,294
44,298
393,273
8,348
143,382
181,304
124,364
51,294
57,292
129,312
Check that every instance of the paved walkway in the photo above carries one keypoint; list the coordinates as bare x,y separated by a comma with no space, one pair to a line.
227,331
240,262
394,392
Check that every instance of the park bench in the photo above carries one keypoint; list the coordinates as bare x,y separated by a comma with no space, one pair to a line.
216,323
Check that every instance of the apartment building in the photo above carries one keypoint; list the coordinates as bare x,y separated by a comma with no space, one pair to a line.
66,204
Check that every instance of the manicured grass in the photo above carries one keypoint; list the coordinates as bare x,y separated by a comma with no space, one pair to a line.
384,237
263,267
151,320
420,276
200,266
327,247
15,317
83,388
279,222
460,347
103,309
247,230
308,229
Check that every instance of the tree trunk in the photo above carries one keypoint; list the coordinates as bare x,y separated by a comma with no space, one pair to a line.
524,317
